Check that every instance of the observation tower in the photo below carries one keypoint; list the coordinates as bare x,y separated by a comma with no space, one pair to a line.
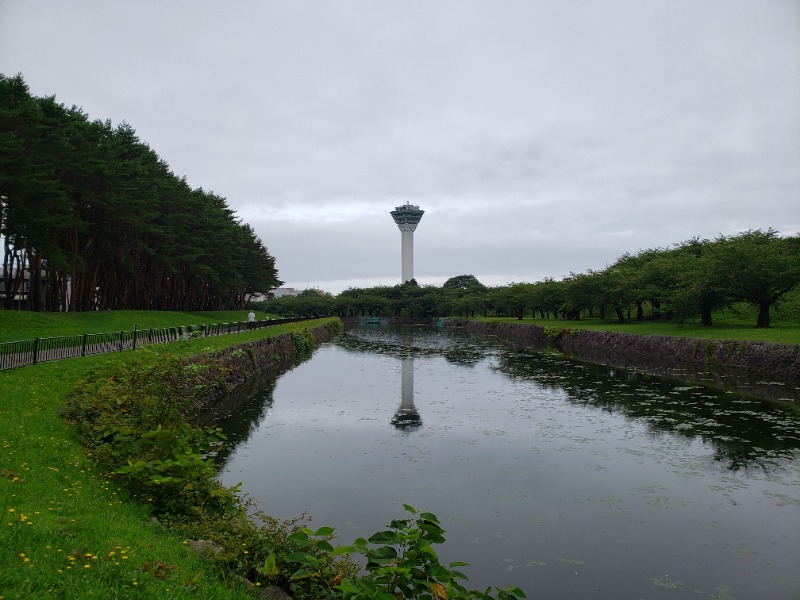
407,218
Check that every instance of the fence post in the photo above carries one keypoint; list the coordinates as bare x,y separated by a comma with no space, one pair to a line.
121,339
134,336
35,350
83,346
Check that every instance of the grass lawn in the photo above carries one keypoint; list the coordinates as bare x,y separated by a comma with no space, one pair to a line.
782,334
736,323
66,531
24,325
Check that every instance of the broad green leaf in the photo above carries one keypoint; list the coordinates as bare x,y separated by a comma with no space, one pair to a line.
303,574
429,517
428,550
300,538
385,537
269,569
382,552
299,557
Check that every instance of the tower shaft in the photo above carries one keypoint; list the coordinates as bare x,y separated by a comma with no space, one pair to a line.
407,249
407,218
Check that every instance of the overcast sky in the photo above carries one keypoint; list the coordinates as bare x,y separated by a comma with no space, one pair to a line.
539,136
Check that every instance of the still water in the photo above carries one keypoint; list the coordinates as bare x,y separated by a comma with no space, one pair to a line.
567,479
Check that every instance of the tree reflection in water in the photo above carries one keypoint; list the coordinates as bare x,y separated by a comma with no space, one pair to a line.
743,431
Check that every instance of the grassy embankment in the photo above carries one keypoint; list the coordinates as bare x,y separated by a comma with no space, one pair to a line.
737,323
67,532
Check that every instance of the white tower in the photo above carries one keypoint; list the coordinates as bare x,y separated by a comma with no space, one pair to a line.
407,218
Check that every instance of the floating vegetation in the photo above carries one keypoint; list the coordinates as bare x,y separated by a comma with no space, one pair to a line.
666,582
536,563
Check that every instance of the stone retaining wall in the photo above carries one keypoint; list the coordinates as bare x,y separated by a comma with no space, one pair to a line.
762,358
238,370
730,364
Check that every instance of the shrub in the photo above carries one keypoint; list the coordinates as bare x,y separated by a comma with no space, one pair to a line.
304,343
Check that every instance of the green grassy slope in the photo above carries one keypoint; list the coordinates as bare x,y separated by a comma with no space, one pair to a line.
66,531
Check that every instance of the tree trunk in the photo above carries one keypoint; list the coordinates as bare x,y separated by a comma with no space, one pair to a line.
656,308
763,315
705,316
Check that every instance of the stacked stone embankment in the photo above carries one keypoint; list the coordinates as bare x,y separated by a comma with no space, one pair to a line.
766,359
233,371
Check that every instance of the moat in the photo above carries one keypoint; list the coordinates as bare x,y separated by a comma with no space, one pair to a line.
567,479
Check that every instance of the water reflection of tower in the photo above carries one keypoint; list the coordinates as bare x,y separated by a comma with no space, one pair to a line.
407,416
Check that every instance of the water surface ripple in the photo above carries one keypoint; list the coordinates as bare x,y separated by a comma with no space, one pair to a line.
568,479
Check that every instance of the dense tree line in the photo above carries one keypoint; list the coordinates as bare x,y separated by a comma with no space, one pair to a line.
92,218
691,280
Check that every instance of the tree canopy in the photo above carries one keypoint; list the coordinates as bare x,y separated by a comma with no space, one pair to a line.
92,218
692,279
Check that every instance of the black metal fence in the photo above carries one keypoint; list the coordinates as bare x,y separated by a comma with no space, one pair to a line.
30,352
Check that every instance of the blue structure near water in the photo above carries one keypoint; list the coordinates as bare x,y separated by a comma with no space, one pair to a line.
373,320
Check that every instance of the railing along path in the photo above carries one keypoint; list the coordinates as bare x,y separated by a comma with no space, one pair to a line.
31,352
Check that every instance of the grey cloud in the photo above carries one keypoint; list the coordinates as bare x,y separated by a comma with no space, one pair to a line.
539,137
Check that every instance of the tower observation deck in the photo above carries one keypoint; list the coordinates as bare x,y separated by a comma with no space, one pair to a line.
407,218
